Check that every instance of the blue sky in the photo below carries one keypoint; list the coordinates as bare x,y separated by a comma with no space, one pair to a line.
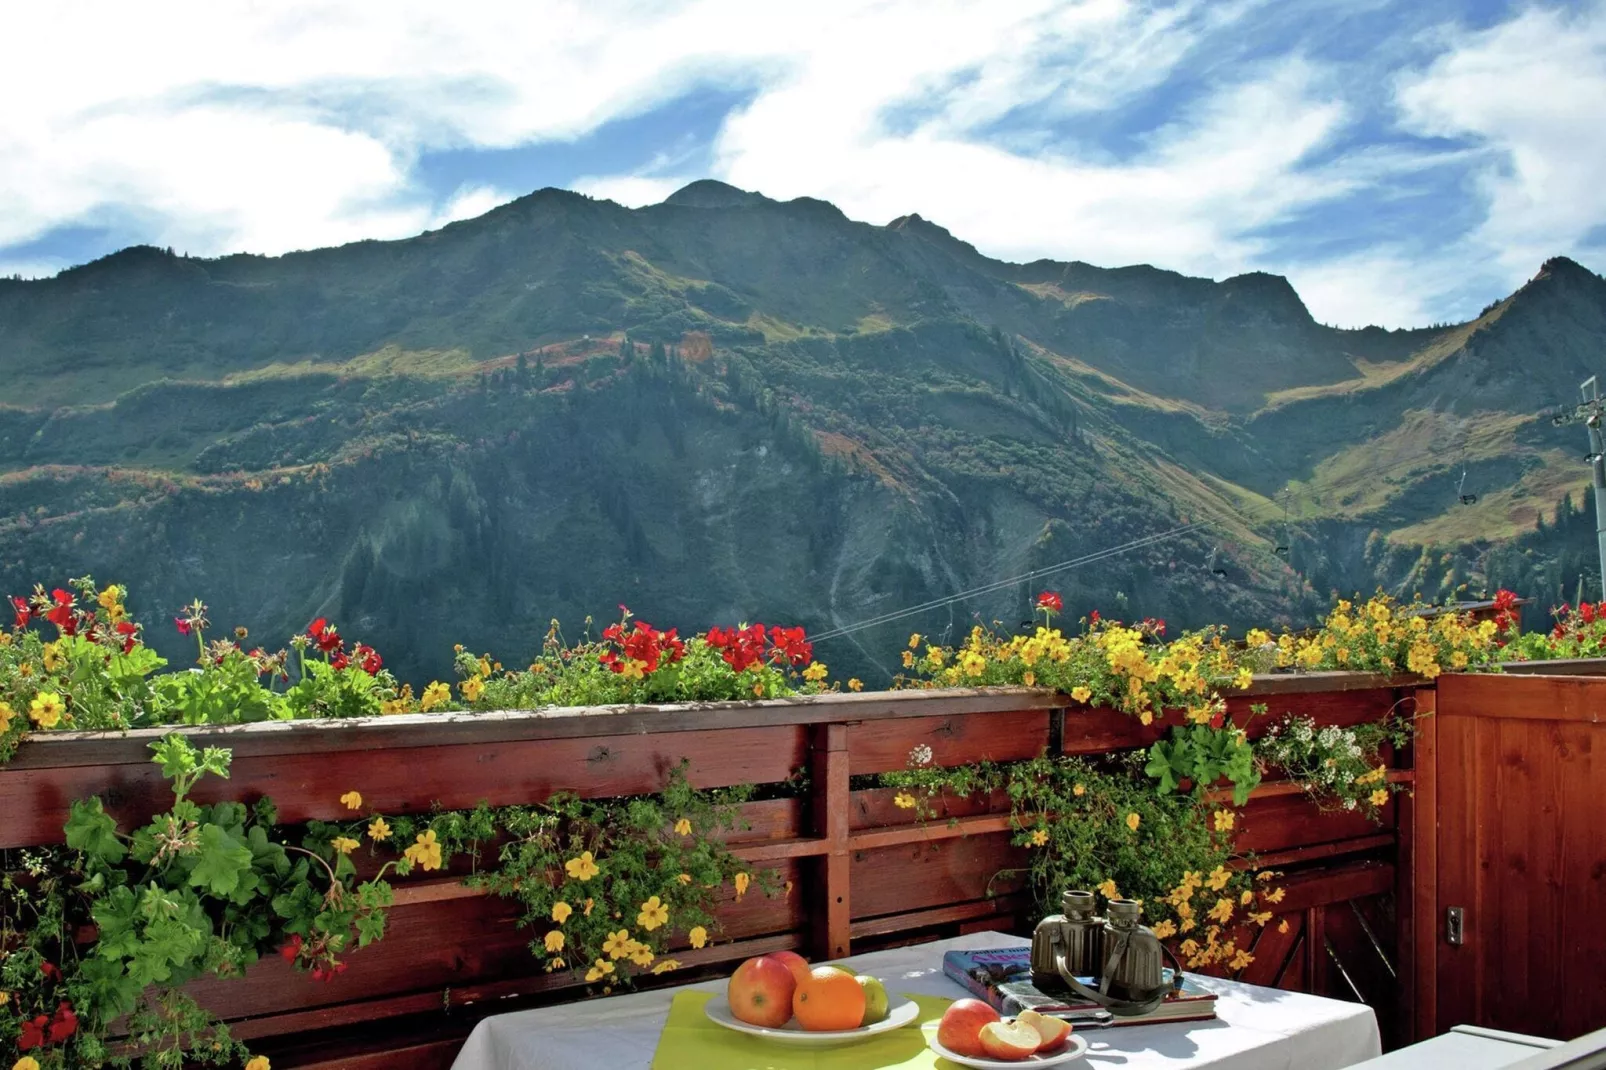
1401,162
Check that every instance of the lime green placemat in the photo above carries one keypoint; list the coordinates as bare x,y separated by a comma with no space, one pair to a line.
691,1042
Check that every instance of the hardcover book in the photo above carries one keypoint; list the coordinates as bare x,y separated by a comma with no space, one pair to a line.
1003,977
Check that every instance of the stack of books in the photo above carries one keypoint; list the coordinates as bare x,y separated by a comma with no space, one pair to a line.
1003,978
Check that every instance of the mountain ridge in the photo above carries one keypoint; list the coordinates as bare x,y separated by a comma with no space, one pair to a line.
429,418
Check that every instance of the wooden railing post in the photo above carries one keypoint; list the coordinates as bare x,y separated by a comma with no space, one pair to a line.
1422,869
828,775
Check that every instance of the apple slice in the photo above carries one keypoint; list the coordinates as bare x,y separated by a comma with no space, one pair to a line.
1053,1031
1009,1041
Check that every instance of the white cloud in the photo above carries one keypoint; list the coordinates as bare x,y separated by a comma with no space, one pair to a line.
223,126
1529,93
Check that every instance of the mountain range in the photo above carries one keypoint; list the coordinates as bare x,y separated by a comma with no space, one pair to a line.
729,408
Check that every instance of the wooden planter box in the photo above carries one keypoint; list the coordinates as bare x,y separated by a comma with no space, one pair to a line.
864,872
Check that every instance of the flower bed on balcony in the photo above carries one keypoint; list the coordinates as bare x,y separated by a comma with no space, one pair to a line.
316,847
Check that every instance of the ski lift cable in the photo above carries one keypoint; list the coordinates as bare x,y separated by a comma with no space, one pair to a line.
1087,559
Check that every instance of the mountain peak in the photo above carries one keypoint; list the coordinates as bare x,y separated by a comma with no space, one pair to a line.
711,193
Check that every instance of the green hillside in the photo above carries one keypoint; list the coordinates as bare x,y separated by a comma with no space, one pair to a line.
725,407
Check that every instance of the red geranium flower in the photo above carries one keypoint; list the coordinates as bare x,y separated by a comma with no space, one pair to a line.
63,1024
182,624
127,630
740,647
368,658
61,613
325,636
790,646
292,949
1051,601
1093,617
24,614
33,1033
50,971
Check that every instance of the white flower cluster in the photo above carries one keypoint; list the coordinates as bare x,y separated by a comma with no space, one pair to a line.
920,755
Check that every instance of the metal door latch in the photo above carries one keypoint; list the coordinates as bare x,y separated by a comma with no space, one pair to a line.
1452,926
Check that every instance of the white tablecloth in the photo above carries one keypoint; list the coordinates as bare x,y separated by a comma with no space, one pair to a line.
1257,1028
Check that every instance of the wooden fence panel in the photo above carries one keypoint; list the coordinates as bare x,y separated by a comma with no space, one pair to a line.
1521,851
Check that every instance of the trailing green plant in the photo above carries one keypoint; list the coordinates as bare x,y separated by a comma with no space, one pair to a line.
606,884
1338,768
1101,826
1201,755
197,890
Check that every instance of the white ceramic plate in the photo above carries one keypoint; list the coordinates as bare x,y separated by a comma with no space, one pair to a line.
900,1012
1074,1049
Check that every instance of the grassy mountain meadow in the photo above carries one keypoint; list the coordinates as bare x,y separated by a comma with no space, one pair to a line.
725,407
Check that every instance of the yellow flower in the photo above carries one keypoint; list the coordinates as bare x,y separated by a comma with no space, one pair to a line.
1380,796
1224,820
554,941
1276,895
683,827
697,936
908,659
1079,790
1108,889
1243,679
1243,900
561,912
815,672
46,709
259,1062
618,944
665,966
1261,918
53,657
484,665
1282,926
854,684
1132,821
472,688
586,912
582,868
1029,679
344,844
28,1062
352,800
602,969
684,878
1039,837
1165,928
914,640
742,881
903,800
653,914
1218,879
1222,911
555,964
110,597
1081,694
6,713
641,955
378,830
435,695
426,853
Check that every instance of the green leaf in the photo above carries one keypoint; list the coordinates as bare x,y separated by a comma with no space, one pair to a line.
222,862
91,830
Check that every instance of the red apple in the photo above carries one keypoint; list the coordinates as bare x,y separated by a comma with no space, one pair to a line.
794,962
1054,1032
1009,1041
760,992
961,1026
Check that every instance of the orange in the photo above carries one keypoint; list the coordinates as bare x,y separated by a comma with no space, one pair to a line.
828,1001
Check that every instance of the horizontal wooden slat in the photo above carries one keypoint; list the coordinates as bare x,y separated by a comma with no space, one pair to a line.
916,876
1529,698
954,739
307,786
1003,906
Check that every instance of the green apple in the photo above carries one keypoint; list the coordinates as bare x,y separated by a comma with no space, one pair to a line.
875,999
838,969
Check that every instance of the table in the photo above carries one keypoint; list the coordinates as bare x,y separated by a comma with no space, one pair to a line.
1257,1028
1465,1047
